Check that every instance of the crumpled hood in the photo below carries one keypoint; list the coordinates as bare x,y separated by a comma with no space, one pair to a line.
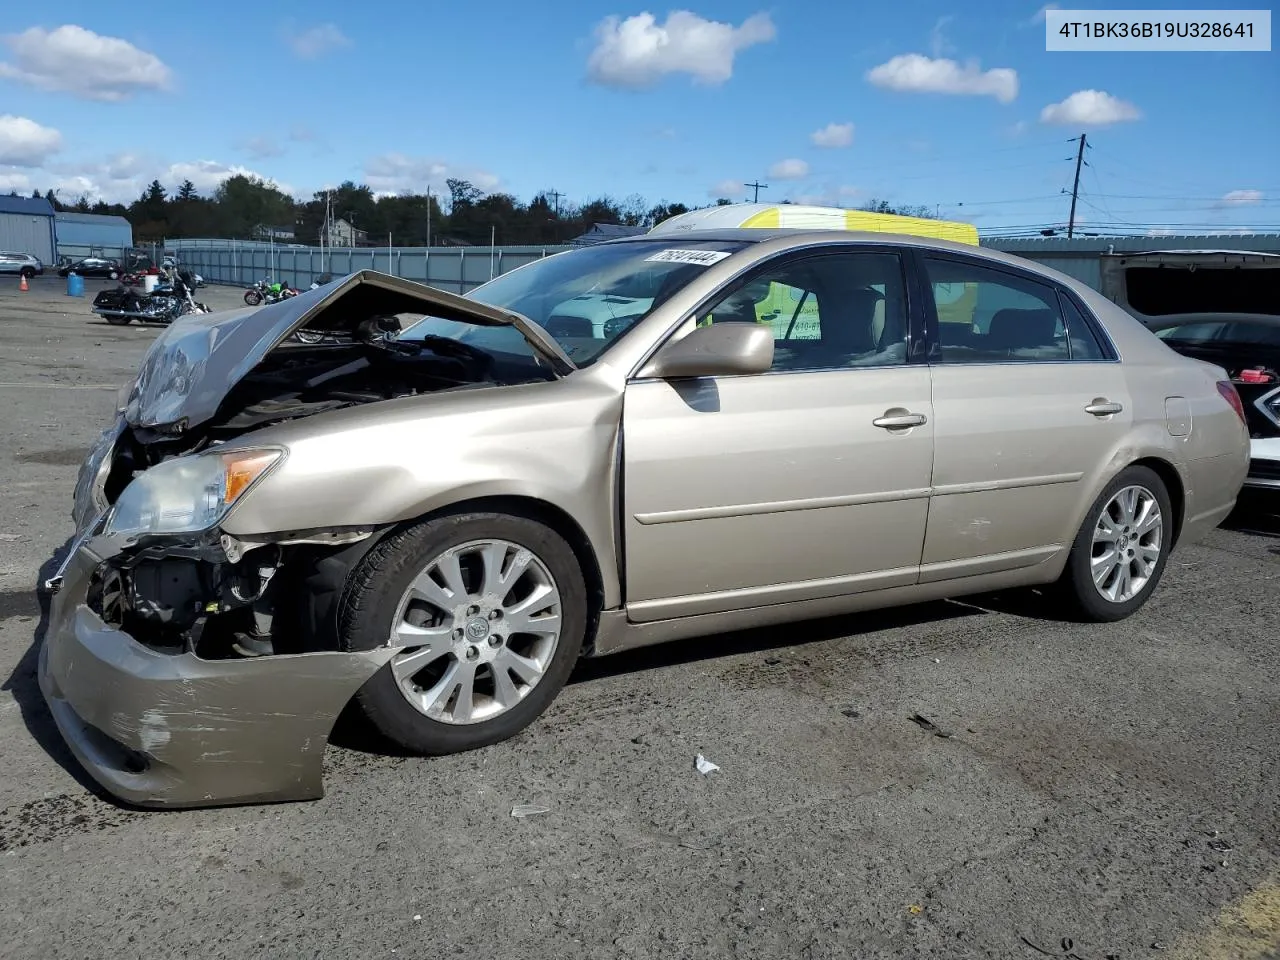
198,358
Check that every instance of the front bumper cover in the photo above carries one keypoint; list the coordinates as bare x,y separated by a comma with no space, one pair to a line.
173,730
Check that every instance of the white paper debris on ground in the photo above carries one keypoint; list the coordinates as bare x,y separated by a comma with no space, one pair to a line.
528,810
704,765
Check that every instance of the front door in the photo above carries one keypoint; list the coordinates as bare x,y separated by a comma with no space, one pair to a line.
811,480
1030,405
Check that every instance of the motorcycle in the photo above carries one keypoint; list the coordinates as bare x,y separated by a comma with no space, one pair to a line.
163,305
263,292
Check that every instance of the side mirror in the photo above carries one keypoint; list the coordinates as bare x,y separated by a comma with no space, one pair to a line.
720,350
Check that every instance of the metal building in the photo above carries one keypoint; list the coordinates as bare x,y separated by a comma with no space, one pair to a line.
90,234
1081,257
26,226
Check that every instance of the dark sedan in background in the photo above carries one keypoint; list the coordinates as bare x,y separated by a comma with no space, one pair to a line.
1247,346
90,267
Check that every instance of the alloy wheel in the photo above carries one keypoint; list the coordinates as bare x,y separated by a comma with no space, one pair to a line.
1127,539
479,626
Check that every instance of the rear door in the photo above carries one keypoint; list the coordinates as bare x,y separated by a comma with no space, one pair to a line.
1030,401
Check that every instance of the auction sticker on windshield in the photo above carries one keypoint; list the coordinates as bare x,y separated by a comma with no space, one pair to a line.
704,257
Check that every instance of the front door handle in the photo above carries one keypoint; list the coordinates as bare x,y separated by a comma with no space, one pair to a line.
900,421
1102,407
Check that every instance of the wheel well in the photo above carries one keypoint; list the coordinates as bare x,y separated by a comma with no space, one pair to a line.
561,523
1173,483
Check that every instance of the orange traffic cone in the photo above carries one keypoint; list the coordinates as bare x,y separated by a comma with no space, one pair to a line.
23,285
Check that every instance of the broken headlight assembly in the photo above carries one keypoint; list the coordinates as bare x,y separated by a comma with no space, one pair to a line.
188,494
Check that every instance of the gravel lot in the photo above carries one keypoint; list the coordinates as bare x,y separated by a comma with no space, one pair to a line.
1105,791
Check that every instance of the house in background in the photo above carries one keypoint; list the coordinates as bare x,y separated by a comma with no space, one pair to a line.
342,234
601,232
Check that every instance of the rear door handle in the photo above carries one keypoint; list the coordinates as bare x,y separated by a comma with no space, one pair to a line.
900,421
1102,407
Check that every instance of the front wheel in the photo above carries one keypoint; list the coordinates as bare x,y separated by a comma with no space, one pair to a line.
1120,553
252,297
490,611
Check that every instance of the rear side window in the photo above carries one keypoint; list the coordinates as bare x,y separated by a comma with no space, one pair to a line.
987,315
1080,336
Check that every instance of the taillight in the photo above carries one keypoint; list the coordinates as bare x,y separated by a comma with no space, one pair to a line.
1228,391
1255,376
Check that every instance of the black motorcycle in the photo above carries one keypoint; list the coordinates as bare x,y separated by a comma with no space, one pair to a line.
165,304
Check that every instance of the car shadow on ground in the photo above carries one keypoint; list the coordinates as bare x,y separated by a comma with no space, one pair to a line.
24,686
354,732
1258,514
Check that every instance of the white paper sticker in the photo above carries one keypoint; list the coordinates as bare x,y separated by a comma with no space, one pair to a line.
703,258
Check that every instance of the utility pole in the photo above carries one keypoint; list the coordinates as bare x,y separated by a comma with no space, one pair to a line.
758,187
1075,188
556,195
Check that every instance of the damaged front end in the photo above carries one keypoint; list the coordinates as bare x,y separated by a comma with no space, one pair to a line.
145,666
188,667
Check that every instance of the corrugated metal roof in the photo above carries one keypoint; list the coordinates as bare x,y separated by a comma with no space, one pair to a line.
26,205
1260,242
99,218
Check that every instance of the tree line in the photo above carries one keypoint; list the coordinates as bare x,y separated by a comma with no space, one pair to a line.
246,207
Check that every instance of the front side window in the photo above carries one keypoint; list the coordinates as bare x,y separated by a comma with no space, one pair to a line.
990,316
585,299
826,312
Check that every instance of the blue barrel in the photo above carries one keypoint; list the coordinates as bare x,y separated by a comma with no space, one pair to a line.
75,285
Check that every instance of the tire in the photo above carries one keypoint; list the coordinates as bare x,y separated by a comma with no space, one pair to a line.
1084,598
252,297
118,321
28,272
376,600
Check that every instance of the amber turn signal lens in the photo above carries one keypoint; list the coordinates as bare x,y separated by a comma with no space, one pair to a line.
244,468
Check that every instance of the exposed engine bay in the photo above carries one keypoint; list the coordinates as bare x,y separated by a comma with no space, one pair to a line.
211,595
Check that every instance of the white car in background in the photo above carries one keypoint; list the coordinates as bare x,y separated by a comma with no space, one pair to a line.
23,264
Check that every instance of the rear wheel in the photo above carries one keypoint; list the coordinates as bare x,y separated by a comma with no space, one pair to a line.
118,321
28,272
490,611
1120,553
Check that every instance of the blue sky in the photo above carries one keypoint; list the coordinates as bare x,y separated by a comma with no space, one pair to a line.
948,104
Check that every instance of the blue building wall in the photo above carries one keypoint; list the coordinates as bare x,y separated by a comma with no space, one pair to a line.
82,234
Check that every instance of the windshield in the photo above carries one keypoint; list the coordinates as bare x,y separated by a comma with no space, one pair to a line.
585,299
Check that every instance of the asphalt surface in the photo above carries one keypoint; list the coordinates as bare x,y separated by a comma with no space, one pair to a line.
1105,791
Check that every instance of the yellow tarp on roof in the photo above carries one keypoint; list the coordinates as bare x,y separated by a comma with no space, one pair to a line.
787,215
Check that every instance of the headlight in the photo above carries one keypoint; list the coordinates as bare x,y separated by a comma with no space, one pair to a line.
188,494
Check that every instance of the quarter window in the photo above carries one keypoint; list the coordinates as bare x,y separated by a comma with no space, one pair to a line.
989,316
827,312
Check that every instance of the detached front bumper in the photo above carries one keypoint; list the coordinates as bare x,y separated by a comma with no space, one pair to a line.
160,729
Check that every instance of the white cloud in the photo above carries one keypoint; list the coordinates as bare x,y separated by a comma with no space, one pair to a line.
790,169
395,173
74,60
13,180
1089,108
25,143
207,175
727,188
833,135
1242,198
1039,15
638,52
316,41
1017,129
916,73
